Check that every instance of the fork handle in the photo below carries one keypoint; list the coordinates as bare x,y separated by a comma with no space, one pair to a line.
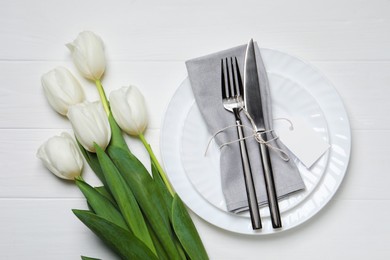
270,187
249,184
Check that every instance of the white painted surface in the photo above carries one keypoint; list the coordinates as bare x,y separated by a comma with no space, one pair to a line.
147,44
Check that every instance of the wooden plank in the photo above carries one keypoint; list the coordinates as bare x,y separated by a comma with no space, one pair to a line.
357,83
46,229
345,229
174,30
23,104
24,176
364,179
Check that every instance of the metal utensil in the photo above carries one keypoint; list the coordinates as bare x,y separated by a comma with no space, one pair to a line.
232,92
254,107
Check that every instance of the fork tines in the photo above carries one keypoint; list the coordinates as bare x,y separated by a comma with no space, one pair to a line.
231,78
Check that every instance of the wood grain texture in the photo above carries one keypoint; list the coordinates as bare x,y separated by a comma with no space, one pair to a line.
347,234
31,179
178,30
23,95
46,229
51,231
356,82
147,43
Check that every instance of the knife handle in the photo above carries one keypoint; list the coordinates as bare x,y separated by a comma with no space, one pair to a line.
249,184
270,187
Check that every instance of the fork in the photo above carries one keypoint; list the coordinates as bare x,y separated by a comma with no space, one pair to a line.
232,92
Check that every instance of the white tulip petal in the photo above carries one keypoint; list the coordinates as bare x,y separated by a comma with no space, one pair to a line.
61,156
90,124
62,89
88,55
129,110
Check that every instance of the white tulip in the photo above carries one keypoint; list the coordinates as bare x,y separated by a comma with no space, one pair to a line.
61,156
88,55
90,124
62,89
129,110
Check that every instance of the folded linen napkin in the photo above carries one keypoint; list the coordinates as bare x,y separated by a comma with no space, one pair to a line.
205,78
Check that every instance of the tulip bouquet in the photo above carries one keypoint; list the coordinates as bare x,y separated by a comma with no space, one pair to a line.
136,213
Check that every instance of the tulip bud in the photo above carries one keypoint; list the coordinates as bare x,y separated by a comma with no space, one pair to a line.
90,125
61,156
62,89
129,110
88,55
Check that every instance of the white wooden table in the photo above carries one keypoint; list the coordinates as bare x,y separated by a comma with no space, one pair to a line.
147,43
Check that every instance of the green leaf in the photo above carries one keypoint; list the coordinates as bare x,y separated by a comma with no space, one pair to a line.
186,231
166,196
168,199
117,139
93,162
102,190
124,198
148,196
89,258
122,241
157,244
101,205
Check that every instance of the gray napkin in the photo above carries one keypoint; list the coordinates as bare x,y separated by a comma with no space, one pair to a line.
205,78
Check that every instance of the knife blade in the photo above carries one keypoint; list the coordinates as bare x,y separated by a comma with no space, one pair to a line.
254,107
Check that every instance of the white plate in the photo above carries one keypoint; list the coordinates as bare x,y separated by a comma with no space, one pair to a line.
297,90
288,101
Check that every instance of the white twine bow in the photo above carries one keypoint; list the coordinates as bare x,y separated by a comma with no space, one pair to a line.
257,135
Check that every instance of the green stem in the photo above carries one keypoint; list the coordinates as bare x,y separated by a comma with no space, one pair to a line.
102,95
79,178
156,163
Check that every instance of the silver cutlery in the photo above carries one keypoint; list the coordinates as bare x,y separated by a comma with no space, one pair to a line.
254,107
232,92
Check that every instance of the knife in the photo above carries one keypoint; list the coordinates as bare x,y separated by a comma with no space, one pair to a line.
254,107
